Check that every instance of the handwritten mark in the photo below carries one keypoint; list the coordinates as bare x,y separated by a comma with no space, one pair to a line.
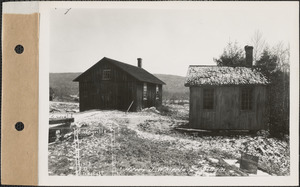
67,11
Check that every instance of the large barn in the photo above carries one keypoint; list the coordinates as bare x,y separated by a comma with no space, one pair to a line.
227,98
110,84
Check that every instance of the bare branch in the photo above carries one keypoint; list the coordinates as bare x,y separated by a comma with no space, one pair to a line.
259,44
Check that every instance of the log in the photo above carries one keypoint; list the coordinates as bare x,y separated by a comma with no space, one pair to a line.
129,107
61,120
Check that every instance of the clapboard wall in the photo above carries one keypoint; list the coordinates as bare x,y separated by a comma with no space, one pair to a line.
116,93
226,113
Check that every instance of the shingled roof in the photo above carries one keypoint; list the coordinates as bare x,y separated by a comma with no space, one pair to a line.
216,75
138,73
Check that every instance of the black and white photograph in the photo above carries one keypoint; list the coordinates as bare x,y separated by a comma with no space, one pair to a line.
199,91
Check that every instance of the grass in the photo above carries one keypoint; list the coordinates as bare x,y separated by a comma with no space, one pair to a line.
134,155
137,156
174,112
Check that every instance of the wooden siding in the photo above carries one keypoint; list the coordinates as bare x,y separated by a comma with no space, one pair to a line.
227,113
116,93
158,102
151,96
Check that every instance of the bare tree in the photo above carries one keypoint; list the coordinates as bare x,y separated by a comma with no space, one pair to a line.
282,52
274,63
259,44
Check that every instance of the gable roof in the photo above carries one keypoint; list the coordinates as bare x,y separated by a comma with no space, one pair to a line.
220,75
138,73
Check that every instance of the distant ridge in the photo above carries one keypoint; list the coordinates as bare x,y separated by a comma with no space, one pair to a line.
174,88
63,86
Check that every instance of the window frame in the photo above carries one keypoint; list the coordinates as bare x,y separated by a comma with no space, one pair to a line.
205,101
246,98
145,91
106,74
157,92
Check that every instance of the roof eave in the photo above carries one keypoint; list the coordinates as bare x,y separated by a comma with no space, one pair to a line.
161,82
76,79
189,85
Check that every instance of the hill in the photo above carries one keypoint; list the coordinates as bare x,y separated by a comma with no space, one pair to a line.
63,86
174,88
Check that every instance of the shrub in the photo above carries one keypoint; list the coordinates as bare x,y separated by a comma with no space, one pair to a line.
279,105
165,110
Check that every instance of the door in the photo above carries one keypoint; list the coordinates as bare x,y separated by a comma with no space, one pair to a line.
227,98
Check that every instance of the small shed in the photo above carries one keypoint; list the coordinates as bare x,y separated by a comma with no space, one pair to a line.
110,84
227,98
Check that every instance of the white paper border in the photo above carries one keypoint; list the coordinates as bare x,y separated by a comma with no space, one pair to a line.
44,179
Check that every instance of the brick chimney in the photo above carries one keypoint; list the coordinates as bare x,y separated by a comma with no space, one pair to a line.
249,55
139,62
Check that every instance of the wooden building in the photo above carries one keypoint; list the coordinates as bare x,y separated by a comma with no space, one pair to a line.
110,84
227,98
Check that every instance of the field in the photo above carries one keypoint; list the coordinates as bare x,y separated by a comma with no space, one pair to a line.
150,143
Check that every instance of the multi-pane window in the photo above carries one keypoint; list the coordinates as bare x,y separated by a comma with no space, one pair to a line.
208,99
145,91
106,74
157,92
246,98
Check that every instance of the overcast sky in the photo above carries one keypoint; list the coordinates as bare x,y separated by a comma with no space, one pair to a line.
167,40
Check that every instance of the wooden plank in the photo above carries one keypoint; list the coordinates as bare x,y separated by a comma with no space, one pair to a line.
227,113
192,115
197,109
207,117
232,167
225,108
59,120
208,120
191,130
249,163
63,128
116,93
139,96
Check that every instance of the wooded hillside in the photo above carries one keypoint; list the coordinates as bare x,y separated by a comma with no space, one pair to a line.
63,86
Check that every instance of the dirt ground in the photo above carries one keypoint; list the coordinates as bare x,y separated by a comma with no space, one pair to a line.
148,143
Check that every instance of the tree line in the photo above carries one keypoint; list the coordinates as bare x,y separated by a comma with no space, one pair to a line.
274,63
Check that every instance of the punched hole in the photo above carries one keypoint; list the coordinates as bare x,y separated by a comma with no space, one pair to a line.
19,126
19,49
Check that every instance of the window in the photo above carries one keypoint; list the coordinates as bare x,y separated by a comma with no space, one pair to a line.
246,98
157,92
106,74
208,99
145,91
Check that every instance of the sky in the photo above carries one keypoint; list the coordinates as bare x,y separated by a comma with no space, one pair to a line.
168,40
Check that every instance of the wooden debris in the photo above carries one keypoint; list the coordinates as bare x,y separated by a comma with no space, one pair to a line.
232,167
